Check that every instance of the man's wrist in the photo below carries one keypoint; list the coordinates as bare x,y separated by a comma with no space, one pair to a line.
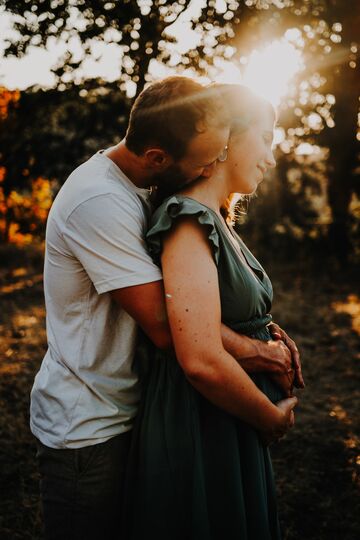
252,361
262,355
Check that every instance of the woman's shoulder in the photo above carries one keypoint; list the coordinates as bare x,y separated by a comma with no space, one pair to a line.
179,206
170,211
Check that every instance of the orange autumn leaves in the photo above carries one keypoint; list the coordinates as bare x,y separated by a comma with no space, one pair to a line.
8,98
22,214
26,208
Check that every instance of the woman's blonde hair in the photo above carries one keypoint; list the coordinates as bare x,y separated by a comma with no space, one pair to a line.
244,109
244,106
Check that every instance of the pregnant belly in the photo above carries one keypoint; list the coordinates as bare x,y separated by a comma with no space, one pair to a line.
268,387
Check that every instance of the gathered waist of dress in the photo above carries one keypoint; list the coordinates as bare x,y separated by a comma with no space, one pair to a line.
255,327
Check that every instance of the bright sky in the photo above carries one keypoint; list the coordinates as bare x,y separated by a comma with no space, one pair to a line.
35,67
267,71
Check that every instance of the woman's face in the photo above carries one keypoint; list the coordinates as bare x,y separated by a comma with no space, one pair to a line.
250,155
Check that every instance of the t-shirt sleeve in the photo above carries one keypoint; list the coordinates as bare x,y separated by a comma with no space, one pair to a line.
106,234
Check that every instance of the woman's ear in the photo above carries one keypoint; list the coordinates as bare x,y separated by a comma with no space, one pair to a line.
157,158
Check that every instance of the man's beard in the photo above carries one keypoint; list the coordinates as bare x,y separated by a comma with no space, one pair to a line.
168,183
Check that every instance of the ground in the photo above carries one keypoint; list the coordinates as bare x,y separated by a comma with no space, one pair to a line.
316,465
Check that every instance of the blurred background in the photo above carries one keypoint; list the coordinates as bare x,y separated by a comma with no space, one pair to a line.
69,72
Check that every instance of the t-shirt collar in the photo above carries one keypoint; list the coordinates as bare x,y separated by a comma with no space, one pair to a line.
144,192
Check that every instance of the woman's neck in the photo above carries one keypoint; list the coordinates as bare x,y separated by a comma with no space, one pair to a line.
211,191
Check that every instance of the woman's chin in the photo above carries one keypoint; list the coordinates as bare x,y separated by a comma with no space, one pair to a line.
251,190
248,189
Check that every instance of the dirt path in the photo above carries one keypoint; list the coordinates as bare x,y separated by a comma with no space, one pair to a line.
316,466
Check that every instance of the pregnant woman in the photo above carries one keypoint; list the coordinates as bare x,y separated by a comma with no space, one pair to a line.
200,467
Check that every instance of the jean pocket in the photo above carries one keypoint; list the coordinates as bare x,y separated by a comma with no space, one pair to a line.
85,457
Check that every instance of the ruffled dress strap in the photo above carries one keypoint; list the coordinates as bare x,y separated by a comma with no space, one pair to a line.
166,215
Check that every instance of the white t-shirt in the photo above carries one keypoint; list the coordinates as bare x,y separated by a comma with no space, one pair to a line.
86,390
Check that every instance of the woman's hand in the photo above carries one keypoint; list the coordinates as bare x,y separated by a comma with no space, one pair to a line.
285,421
278,333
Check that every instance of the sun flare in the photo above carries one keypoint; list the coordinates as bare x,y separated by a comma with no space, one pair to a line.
267,71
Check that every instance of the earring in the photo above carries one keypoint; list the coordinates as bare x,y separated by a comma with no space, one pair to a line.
223,155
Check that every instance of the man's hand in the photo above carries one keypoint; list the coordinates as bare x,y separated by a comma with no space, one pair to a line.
255,356
279,334
277,362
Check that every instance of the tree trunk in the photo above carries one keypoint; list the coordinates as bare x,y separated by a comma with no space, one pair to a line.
343,144
344,148
339,192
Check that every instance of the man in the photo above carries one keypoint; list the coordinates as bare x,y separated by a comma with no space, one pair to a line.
100,283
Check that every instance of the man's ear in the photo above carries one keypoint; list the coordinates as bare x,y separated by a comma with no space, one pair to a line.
157,158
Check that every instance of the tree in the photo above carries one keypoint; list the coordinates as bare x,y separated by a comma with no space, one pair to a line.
11,169
329,87
139,27
44,135
326,91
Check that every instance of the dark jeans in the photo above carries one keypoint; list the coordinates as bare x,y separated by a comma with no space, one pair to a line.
82,490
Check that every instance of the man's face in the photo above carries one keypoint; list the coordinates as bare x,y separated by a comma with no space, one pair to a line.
199,160
202,153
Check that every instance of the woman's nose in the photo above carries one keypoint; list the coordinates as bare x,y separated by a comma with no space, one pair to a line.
270,160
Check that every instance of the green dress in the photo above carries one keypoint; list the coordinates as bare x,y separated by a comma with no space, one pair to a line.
195,471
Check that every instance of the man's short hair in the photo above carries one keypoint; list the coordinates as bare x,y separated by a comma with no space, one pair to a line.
169,113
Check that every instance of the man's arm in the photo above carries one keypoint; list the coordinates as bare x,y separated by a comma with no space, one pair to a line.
272,357
146,304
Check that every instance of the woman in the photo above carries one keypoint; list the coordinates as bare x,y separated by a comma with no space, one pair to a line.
200,467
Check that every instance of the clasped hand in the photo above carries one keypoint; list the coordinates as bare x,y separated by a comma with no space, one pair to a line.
287,371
